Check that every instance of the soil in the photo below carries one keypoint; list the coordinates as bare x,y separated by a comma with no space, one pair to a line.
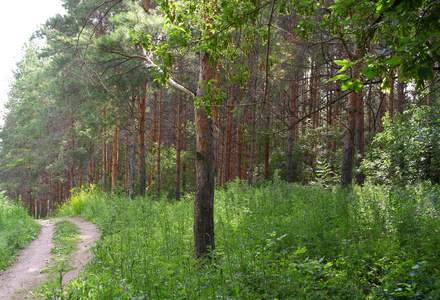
31,268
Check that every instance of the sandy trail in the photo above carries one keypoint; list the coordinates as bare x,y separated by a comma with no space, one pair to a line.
17,281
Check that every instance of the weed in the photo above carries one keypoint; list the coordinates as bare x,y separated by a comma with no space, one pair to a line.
277,241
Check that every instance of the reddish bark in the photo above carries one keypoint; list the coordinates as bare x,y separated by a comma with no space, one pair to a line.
115,159
178,147
159,145
142,106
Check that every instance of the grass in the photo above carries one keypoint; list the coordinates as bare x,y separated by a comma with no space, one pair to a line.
17,230
277,241
65,238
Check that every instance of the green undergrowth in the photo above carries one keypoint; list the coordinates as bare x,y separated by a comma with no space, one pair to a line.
65,239
17,230
277,241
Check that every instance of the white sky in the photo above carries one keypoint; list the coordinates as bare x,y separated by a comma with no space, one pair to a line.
18,20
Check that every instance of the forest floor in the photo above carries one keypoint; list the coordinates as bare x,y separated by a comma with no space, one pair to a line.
31,268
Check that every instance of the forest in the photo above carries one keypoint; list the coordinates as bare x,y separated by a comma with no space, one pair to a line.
328,109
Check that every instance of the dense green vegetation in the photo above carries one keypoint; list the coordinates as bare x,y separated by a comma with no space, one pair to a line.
278,240
176,99
17,229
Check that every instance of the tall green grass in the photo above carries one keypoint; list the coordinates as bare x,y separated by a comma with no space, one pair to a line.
17,229
275,241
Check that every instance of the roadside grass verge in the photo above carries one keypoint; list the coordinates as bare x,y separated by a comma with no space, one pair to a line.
276,241
17,230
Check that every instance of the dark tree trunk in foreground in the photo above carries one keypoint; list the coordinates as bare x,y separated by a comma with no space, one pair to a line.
205,169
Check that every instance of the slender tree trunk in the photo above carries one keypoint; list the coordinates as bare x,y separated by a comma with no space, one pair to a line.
131,164
267,137
314,94
153,135
360,137
252,116
178,147
205,170
252,153
127,163
238,164
293,116
391,99
229,160
382,111
400,96
72,145
159,144
104,157
115,159
142,106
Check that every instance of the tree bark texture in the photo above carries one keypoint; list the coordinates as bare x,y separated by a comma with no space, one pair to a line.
350,132
142,106
159,144
359,139
115,159
205,169
178,147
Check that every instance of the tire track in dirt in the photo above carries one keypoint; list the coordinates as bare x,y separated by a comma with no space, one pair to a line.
28,272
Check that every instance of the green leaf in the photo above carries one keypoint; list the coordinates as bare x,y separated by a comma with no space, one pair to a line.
347,85
424,72
394,60
405,39
341,62
358,86
338,77
370,74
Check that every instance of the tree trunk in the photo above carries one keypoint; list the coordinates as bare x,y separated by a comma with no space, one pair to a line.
293,117
382,111
178,147
400,96
142,106
153,135
205,170
250,175
127,163
359,140
238,164
348,150
349,145
229,159
104,157
131,165
267,108
159,144
391,99
115,158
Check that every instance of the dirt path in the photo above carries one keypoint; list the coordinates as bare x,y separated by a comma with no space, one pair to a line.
17,280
